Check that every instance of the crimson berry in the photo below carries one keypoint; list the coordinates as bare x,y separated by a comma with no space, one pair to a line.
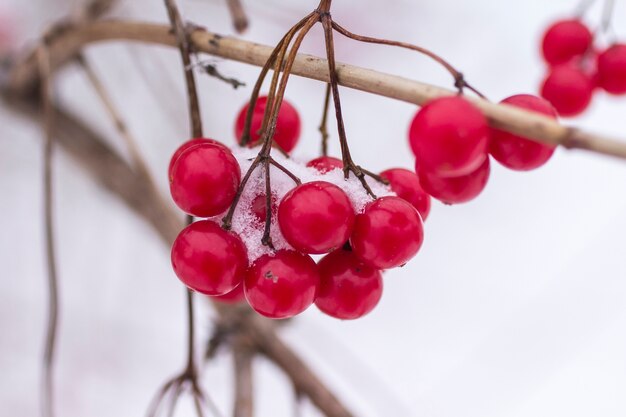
569,89
564,40
287,125
205,179
282,285
349,289
516,152
388,233
259,209
188,145
325,164
233,297
458,189
316,217
612,69
406,185
449,136
209,259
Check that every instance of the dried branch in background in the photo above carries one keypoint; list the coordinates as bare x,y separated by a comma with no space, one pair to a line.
238,15
47,394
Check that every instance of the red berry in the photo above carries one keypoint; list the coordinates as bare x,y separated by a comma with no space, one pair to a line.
564,40
287,125
459,189
316,217
388,233
449,137
516,152
233,297
325,164
282,285
188,145
205,179
259,209
209,259
569,89
406,185
612,69
349,289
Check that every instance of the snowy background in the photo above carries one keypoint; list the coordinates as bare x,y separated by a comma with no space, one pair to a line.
514,307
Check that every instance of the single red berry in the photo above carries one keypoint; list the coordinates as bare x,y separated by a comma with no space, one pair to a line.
233,297
282,285
259,209
325,164
316,217
449,136
406,185
188,145
287,125
612,69
349,289
209,259
569,89
205,179
388,233
456,190
516,152
564,40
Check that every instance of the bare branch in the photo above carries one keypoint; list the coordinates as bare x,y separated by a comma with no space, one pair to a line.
238,14
67,44
243,355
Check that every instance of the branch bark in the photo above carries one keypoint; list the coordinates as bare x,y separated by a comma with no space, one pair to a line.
68,42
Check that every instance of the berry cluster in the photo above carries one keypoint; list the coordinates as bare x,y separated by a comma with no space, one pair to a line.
323,214
452,140
578,67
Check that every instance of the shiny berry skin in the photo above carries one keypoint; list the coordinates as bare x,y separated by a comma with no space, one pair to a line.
233,297
188,145
259,209
388,233
349,289
282,285
564,40
316,217
287,125
209,259
325,164
449,136
406,185
516,152
612,69
569,89
456,190
205,179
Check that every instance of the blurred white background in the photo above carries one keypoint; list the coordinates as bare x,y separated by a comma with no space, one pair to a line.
516,305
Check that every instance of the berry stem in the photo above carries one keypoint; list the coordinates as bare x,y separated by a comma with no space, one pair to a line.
607,15
459,81
348,163
324,123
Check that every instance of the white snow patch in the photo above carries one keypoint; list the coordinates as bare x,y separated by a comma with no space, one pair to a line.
251,230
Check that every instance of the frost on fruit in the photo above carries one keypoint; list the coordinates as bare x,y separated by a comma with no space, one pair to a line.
248,227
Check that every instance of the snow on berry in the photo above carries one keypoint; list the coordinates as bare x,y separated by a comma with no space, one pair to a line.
245,223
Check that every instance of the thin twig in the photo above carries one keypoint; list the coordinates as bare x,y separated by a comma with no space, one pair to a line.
53,286
64,47
323,128
238,14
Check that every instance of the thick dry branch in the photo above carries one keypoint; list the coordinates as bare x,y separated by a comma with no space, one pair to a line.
243,355
111,171
68,42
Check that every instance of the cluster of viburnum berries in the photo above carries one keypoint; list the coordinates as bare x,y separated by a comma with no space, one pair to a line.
578,67
452,142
